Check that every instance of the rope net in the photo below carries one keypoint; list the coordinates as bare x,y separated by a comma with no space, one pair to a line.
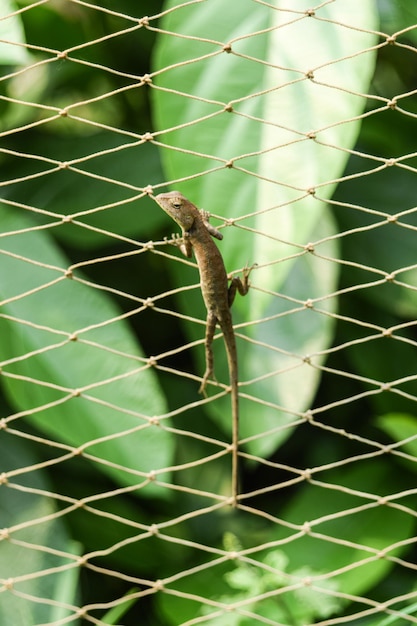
294,127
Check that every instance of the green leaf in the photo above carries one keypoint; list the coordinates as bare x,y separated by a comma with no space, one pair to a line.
266,135
117,612
402,427
78,343
307,604
11,34
394,619
25,554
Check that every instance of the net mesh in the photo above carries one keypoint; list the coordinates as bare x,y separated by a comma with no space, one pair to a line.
294,127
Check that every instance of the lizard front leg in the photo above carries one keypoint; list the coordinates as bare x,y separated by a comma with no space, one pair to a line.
183,243
210,329
213,231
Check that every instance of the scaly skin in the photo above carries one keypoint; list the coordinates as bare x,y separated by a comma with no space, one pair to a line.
218,297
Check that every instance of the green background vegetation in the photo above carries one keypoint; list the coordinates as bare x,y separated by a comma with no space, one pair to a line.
70,305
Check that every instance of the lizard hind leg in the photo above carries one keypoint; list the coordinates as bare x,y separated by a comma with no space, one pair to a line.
208,343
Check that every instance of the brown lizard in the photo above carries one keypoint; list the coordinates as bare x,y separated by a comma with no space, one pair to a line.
197,234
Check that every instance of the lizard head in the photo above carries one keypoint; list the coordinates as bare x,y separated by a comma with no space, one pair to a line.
182,211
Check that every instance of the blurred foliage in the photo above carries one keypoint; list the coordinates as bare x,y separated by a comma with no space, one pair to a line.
105,137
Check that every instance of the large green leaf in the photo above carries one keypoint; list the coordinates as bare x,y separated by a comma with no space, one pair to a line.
34,534
291,87
402,427
12,36
118,392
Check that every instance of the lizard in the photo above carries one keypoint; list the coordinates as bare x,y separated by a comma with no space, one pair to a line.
218,296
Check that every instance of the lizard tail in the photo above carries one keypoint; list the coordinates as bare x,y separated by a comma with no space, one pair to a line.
233,374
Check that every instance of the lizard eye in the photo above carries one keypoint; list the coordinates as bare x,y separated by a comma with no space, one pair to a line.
176,205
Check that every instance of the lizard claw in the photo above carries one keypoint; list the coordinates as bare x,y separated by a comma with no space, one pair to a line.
245,273
248,268
177,240
173,239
